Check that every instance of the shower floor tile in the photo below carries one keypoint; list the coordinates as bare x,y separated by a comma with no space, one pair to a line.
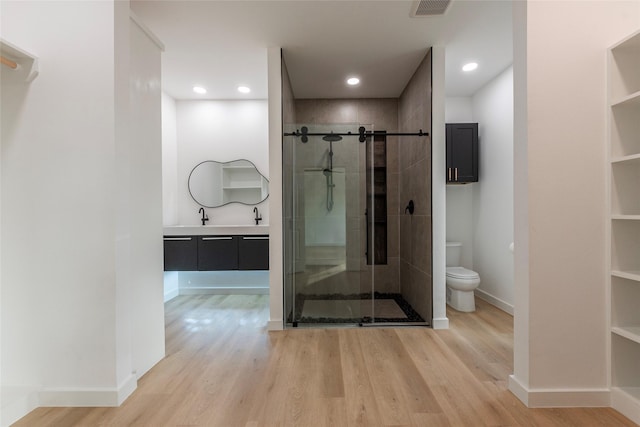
349,309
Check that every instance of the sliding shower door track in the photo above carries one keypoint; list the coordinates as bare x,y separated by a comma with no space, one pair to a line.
393,324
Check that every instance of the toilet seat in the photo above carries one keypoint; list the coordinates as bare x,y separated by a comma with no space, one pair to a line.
462,273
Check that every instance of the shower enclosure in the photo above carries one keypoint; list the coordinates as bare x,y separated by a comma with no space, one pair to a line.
335,231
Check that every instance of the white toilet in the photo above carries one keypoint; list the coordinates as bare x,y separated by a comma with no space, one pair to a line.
460,281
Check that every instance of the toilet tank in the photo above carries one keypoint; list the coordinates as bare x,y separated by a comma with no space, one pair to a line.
454,250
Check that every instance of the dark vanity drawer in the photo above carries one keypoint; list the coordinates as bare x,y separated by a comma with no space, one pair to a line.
253,253
217,253
180,253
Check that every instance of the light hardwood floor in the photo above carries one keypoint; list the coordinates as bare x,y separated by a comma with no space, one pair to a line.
224,369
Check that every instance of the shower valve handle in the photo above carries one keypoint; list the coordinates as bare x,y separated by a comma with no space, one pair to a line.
410,207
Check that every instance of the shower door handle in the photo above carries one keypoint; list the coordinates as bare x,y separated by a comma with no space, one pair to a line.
366,226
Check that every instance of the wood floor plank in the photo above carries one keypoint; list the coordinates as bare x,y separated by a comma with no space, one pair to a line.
223,368
360,403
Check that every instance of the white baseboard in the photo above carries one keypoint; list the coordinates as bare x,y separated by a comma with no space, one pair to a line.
221,290
275,325
88,397
519,390
441,323
626,402
496,302
127,388
171,294
16,403
560,398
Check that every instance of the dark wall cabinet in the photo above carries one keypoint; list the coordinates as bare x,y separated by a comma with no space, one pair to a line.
214,253
462,152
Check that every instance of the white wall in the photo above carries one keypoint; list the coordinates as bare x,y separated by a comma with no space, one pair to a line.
170,193
276,247
438,196
458,109
460,197
58,163
68,294
560,353
493,193
145,157
169,182
220,131
480,215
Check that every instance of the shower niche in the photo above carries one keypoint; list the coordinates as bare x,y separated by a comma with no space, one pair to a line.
376,160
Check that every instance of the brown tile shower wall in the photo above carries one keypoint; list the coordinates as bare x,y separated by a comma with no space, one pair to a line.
414,156
382,114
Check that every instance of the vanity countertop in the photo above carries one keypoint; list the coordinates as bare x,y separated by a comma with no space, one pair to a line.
210,230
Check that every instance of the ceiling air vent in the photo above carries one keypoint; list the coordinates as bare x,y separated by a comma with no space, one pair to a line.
430,7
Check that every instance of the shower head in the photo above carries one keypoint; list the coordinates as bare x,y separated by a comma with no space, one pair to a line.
332,138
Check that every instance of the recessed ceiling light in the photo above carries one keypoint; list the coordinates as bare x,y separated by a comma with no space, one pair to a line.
470,66
243,89
352,81
200,90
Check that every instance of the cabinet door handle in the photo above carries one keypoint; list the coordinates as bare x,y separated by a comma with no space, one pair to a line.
171,239
217,238
456,174
449,174
255,238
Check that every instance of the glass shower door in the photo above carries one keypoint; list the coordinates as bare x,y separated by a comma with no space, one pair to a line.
327,279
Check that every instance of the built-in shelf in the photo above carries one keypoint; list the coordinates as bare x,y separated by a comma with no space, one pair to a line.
625,177
623,226
242,183
630,275
27,64
631,100
626,217
632,158
629,332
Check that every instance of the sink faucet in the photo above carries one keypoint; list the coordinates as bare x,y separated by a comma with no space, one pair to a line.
257,218
205,217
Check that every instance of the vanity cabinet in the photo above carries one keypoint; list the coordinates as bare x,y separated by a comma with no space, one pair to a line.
216,253
623,224
180,253
253,253
462,152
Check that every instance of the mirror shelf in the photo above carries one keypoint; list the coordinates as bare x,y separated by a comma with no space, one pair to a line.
214,184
